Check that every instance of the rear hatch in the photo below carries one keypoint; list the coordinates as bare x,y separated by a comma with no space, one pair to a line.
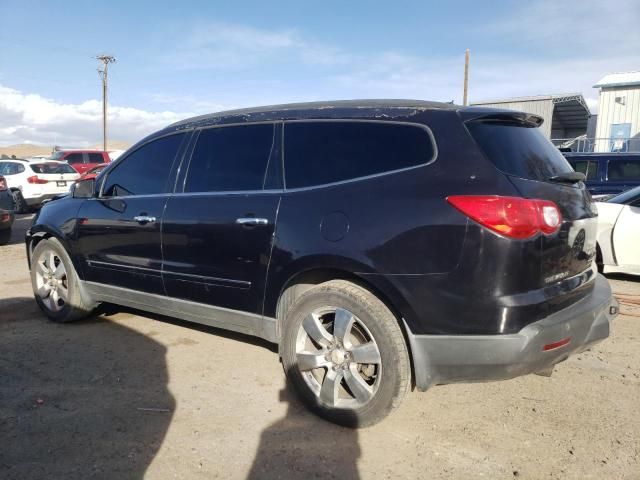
55,177
537,169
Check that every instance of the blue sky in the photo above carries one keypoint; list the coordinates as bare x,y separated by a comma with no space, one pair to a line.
181,58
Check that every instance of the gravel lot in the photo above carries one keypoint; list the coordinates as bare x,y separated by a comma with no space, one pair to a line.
128,394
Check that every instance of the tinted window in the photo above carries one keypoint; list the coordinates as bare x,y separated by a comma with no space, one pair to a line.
96,158
145,171
10,168
74,158
51,168
624,170
519,150
589,168
230,158
318,153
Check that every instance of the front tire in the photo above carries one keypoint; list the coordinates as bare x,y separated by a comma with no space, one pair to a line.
345,355
56,286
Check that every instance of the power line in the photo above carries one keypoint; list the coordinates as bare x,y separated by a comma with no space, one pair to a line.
104,74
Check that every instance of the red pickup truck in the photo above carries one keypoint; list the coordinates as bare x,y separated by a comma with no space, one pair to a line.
82,160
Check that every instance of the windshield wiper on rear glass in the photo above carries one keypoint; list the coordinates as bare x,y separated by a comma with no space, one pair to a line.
569,177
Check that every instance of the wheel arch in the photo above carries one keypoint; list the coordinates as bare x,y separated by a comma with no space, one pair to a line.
302,280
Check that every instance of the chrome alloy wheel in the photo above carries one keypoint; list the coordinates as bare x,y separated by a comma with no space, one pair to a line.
338,358
51,280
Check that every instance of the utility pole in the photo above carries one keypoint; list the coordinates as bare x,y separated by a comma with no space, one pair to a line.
106,60
466,78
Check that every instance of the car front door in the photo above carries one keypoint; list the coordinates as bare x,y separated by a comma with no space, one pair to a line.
119,230
218,232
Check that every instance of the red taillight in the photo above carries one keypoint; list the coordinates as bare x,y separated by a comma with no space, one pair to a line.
3,183
512,217
35,179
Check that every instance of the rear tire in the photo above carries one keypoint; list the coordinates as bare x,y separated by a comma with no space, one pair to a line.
20,203
56,286
344,353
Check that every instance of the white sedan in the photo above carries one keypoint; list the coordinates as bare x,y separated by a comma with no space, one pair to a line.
619,233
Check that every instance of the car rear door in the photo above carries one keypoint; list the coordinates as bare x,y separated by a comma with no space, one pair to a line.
119,231
218,232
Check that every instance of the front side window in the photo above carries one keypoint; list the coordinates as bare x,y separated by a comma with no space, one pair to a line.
230,159
624,170
145,171
318,153
74,158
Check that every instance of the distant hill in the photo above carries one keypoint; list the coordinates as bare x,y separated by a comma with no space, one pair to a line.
24,150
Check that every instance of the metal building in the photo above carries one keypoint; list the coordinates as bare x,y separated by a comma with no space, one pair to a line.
565,115
618,127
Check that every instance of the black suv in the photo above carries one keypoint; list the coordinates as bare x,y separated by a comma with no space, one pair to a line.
381,245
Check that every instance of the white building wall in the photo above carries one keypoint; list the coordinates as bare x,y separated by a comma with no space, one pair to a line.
611,112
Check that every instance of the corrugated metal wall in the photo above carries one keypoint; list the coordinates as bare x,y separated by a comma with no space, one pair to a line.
542,107
611,112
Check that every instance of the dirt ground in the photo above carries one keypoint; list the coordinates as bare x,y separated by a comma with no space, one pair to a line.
131,395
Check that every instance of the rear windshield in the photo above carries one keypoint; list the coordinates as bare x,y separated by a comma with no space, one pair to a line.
56,155
519,150
46,168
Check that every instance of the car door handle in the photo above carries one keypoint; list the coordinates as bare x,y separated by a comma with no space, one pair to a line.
251,221
144,219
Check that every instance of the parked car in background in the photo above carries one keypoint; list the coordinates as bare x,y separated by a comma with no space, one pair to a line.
6,211
619,233
607,173
380,244
31,183
93,173
82,160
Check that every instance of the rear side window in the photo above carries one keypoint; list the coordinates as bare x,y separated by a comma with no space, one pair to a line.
624,169
589,168
50,168
518,150
145,171
96,158
318,153
230,158
10,168
74,158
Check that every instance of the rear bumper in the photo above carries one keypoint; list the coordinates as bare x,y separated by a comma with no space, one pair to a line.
441,359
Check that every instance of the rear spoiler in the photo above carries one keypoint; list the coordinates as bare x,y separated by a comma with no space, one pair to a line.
478,114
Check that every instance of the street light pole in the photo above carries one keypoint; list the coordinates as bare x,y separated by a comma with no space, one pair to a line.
104,74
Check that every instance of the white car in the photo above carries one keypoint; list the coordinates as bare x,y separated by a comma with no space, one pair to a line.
31,183
619,233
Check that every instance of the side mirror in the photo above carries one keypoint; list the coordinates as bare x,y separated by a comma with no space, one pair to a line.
84,188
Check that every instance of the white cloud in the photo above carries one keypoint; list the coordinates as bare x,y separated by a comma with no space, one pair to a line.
225,46
30,118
